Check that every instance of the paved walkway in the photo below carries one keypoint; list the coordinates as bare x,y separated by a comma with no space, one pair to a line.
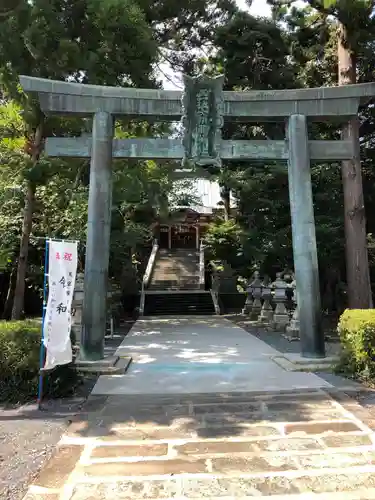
203,438
207,354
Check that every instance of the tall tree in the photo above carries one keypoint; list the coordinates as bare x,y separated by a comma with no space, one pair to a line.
185,31
354,28
350,24
92,41
252,53
114,42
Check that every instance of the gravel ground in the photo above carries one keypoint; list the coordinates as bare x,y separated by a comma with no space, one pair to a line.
28,436
27,440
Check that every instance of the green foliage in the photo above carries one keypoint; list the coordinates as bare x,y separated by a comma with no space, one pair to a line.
123,42
182,28
92,41
312,30
357,335
223,240
4,258
140,191
297,48
19,366
251,52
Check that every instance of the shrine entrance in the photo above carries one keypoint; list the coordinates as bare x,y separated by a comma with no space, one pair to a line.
184,236
182,228
203,108
164,237
178,236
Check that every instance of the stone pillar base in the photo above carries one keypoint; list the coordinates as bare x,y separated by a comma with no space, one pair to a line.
266,316
280,321
255,313
293,330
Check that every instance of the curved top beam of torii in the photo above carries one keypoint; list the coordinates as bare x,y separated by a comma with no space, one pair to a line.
321,103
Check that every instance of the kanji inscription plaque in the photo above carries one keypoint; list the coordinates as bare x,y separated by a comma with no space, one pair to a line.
202,120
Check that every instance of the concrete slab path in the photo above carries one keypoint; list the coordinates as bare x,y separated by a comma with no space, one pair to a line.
293,443
187,355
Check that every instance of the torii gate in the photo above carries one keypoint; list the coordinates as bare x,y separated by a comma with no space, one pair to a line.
203,106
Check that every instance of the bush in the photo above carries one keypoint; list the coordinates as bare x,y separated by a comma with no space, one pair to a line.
356,329
19,364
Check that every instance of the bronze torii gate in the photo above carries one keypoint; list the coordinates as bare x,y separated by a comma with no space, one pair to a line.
203,107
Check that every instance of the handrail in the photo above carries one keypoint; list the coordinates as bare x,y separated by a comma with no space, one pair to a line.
150,264
142,301
215,292
215,300
147,275
201,267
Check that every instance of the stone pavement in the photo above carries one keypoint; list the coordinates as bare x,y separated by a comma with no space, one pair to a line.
305,441
199,354
299,444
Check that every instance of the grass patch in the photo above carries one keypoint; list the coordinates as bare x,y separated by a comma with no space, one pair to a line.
19,365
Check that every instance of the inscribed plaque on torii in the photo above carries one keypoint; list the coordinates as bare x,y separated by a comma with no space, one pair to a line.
202,120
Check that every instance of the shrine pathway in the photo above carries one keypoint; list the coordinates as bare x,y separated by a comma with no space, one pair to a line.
281,436
187,355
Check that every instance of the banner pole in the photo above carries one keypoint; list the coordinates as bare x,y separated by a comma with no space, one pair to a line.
42,347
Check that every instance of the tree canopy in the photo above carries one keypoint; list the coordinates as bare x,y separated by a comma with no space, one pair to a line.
125,43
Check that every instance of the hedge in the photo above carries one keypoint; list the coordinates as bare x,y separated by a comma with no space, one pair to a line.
356,329
19,364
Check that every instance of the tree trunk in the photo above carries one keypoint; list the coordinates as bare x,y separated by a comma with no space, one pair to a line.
357,265
7,312
19,294
225,198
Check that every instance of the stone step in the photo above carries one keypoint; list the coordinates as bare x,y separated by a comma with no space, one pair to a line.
176,265
285,446
170,304
175,273
113,365
229,489
234,487
107,463
174,286
177,279
175,269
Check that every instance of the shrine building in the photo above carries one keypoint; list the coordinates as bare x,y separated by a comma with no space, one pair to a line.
185,226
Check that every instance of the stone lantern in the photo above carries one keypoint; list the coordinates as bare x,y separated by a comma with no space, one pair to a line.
249,301
293,328
114,306
281,317
77,304
257,295
266,314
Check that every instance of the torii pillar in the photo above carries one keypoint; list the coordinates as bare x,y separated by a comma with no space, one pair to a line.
94,314
304,239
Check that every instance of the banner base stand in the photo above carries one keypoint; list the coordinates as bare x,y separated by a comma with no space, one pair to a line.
112,365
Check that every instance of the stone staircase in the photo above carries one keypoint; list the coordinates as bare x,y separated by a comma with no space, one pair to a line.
185,303
174,287
175,270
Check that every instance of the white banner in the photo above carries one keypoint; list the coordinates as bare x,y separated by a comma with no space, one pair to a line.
62,272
